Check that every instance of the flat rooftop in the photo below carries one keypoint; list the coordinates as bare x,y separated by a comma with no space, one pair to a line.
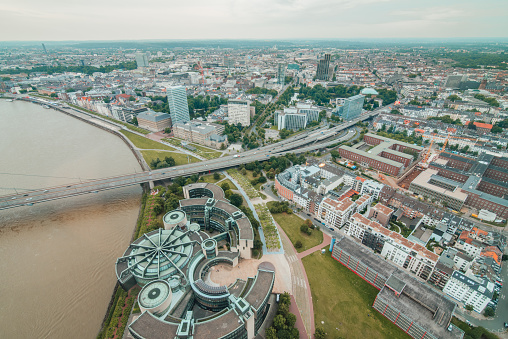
217,327
423,181
423,305
148,326
366,256
261,288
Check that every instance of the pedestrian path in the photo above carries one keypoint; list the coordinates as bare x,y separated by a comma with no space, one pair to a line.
326,241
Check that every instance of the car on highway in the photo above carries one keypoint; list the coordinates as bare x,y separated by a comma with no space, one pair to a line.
28,199
505,324
331,229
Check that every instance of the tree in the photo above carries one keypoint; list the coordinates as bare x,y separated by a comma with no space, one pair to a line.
279,322
335,154
225,186
53,95
236,199
167,130
131,98
320,333
469,307
489,312
228,194
298,244
471,125
271,333
223,146
290,320
454,97
216,176
134,121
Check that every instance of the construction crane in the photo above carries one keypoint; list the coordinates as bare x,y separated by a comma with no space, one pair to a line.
202,72
428,151
445,142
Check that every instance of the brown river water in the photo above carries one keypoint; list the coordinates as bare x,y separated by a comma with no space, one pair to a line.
57,258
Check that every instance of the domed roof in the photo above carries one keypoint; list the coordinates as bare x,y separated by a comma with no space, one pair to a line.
368,90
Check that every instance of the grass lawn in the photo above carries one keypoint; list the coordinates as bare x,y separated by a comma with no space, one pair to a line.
145,143
209,178
180,159
291,223
205,152
231,185
251,177
343,301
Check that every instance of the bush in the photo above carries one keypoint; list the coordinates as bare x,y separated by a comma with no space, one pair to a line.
489,312
320,333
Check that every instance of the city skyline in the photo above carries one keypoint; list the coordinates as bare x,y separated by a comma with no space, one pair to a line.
281,19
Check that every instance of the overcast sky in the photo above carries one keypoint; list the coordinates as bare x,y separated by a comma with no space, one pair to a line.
251,19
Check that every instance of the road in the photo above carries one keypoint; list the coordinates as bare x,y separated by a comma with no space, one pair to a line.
307,141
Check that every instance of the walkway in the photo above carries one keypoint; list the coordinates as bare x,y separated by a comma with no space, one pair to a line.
301,287
326,242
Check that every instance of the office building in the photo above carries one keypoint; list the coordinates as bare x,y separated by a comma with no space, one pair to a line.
239,112
203,133
323,68
171,264
351,108
294,118
281,74
178,105
141,60
154,121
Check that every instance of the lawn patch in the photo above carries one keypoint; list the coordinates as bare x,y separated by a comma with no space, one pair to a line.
180,159
343,301
291,223
145,143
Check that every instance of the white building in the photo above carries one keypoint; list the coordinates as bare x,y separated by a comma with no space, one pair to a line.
473,291
372,187
335,213
239,112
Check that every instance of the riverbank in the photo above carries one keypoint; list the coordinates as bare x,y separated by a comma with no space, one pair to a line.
58,257
126,140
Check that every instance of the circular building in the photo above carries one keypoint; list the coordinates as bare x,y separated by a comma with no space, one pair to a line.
155,297
159,254
175,218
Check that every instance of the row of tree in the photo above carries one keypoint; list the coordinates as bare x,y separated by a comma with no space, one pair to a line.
78,69
284,322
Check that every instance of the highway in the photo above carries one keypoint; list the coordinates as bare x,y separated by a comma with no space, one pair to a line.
307,141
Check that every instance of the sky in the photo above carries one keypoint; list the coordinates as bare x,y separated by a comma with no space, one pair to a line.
53,20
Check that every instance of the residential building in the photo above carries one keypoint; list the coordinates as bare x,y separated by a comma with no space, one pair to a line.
392,246
420,311
335,213
178,105
239,112
470,290
381,213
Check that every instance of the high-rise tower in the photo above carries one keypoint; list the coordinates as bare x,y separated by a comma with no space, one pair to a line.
323,69
178,105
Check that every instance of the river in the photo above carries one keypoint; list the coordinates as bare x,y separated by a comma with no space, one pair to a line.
57,258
